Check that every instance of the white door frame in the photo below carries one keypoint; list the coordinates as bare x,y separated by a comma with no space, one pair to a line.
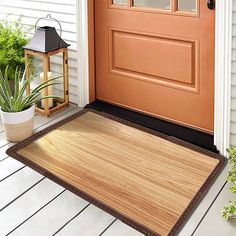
223,47
223,51
83,52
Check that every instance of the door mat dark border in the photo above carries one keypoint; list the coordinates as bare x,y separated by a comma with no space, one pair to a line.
12,151
196,137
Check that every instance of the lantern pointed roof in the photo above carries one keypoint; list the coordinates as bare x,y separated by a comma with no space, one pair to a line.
46,39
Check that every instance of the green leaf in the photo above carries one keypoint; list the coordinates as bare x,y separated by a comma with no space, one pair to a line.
16,85
229,211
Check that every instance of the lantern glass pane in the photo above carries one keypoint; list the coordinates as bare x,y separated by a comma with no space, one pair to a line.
55,70
36,69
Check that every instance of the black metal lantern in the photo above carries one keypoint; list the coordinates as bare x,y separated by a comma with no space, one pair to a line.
45,43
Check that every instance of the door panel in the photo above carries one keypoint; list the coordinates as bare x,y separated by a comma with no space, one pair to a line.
156,60
158,55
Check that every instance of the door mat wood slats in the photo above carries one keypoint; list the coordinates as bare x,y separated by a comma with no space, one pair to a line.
148,180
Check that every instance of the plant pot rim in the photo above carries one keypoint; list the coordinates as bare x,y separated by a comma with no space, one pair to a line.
17,117
6,112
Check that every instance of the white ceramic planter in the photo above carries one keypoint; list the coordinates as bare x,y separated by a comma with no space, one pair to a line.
18,125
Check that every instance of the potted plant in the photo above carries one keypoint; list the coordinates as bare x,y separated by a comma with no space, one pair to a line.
229,212
17,110
12,38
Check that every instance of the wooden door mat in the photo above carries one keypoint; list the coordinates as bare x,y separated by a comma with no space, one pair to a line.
148,180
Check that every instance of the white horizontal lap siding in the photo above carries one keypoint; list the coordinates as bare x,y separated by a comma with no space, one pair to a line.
233,99
65,12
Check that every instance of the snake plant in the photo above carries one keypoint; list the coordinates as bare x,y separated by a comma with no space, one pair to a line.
19,101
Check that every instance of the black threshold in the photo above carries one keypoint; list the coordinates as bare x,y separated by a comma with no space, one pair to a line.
196,137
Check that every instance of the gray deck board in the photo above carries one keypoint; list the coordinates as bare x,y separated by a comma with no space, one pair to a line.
119,228
91,222
213,223
8,167
53,216
17,184
3,149
25,206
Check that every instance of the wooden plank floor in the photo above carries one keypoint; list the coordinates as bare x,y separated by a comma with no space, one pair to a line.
31,204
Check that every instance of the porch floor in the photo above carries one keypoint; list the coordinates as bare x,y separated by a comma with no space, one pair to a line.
31,204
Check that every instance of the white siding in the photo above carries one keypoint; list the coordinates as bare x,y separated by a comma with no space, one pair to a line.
233,100
65,12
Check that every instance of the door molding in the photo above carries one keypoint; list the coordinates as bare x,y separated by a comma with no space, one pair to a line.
223,47
83,54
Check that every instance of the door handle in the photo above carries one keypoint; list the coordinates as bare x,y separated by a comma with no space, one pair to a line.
211,4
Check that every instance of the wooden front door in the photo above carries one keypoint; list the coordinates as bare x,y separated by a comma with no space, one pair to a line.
157,57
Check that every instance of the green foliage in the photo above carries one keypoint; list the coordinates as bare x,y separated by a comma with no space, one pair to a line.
229,211
19,101
12,38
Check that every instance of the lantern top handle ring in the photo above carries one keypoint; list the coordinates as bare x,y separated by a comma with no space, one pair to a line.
48,17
